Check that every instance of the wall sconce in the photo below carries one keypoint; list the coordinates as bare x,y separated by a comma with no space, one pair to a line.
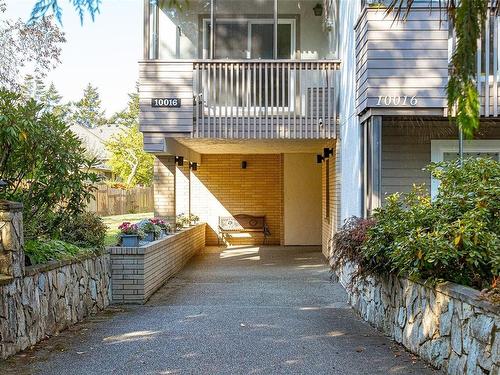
327,152
193,166
319,159
318,10
179,160
244,165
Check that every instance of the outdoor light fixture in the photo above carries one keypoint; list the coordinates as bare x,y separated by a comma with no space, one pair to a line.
193,166
327,152
319,159
318,10
179,160
243,165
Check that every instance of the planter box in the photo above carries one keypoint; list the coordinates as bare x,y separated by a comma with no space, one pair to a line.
130,240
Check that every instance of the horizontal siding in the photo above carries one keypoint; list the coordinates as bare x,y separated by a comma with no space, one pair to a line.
400,59
406,150
164,80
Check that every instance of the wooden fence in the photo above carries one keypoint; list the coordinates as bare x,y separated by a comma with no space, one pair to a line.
108,201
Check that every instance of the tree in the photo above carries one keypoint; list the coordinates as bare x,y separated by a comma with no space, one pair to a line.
88,110
129,117
128,158
43,163
35,88
467,18
36,45
42,7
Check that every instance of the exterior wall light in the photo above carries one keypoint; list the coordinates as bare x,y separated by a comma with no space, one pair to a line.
244,165
193,166
318,10
179,160
319,159
327,152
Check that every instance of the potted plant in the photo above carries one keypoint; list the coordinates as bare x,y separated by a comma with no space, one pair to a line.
163,225
182,221
194,219
151,230
129,234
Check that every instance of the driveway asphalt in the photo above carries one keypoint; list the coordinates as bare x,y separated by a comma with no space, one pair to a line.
248,310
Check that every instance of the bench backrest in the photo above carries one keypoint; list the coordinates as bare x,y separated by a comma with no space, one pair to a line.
242,221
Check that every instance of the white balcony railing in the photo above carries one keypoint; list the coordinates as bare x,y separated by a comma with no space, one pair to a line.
265,99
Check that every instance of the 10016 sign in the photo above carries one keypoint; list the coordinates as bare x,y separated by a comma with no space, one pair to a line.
386,100
166,103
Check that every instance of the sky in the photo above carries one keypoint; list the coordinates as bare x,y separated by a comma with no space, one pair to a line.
104,52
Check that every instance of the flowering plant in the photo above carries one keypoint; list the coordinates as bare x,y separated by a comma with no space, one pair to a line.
161,223
129,228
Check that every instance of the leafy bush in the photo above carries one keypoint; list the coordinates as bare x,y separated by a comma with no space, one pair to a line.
44,164
347,242
84,230
456,237
38,252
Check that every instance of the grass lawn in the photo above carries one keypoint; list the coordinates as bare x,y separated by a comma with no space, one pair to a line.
112,223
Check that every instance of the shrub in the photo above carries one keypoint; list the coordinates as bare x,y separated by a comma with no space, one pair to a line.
84,230
347,242
44,164
38,252
455,237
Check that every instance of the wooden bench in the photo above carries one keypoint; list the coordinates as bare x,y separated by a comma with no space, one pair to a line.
242,224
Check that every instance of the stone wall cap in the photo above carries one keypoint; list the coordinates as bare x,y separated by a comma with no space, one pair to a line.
45,267
6,205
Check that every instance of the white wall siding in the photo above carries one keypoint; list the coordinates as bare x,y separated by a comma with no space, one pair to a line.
350,135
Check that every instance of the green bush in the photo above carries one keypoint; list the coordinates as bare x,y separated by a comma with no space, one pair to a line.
39,252
455,237
84,230
44,163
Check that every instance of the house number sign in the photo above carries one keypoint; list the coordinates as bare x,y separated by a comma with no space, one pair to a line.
165,103
397,100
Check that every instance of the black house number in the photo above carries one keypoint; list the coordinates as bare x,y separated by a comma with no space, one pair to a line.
166,102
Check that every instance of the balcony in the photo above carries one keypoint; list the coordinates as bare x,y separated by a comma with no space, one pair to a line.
253,69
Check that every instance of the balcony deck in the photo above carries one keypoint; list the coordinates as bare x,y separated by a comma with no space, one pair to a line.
244,99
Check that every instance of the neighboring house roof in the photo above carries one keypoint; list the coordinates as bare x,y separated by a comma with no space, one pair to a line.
95,139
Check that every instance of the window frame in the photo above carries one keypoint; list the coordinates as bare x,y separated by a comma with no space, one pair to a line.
440,146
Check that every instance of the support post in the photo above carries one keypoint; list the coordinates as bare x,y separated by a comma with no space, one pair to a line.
164,188
11,240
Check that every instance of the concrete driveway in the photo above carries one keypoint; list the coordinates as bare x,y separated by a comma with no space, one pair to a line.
246,310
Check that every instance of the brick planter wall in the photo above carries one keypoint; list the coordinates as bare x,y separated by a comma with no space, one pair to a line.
449,325
137,272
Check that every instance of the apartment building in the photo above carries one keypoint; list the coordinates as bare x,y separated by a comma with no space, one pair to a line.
305,111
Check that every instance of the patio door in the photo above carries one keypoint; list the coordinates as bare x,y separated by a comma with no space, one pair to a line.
249,38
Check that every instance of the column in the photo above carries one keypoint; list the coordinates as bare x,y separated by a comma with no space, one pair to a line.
11,239
164,187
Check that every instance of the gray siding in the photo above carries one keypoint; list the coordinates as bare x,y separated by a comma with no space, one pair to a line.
398,59
165,80
406,149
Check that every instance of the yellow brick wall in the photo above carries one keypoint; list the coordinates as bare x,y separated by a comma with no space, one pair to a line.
220,187
330,223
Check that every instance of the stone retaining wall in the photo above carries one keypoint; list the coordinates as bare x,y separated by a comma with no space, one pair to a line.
449,325
137,272
39,301
50,298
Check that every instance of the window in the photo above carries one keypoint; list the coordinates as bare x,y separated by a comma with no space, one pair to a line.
446,150
249,38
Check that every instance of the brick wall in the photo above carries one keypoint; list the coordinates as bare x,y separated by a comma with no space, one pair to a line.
182,186
138,272
220,187
330,221
164,187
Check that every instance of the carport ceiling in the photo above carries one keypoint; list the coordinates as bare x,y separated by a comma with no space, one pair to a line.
256,146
